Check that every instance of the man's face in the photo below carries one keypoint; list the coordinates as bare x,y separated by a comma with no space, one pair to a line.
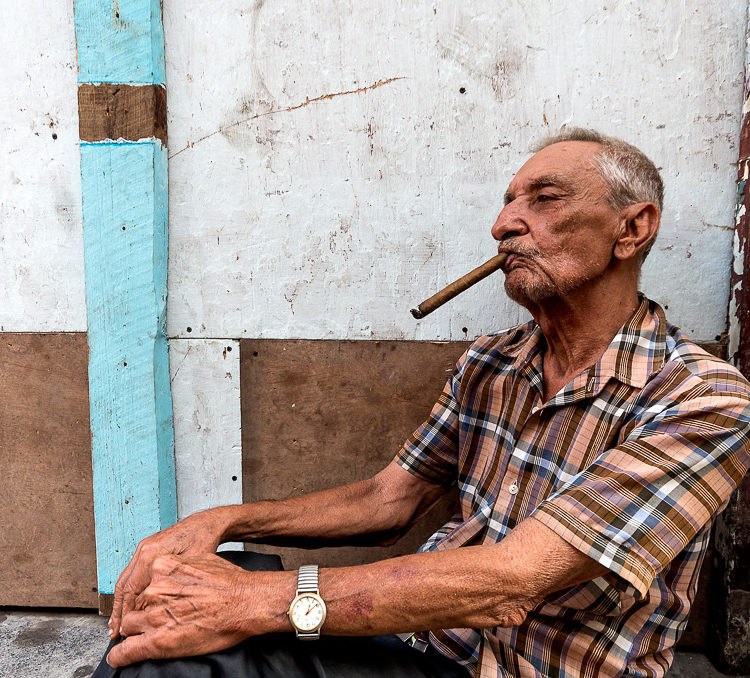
556,224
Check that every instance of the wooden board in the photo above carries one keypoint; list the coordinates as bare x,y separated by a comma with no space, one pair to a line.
116,111
124,188
47,551
321,413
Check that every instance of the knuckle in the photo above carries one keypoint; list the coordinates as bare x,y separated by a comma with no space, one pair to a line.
154,617
164,564
160,643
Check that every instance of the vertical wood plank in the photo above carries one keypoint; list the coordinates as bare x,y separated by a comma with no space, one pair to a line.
125,244
124,195
47,551
729,623
120,41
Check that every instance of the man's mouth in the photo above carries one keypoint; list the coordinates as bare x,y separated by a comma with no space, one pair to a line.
513,257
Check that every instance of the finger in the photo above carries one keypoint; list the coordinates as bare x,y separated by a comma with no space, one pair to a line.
132,649
135,623
116,617
145,568
135,584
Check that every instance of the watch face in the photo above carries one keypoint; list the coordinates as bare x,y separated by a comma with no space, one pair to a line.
307,613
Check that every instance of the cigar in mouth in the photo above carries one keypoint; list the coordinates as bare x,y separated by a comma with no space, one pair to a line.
458,286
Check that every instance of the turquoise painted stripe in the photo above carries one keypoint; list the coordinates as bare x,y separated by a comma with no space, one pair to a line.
124,188
120,41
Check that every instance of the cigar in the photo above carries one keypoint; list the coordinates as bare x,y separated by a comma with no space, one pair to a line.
458,286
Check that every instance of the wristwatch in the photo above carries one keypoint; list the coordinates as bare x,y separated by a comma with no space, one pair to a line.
307,611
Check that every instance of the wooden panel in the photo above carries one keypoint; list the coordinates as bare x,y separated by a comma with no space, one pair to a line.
124,188
120,41
116,111
321,413
47,552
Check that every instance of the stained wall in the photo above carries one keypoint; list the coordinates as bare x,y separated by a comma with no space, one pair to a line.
331,164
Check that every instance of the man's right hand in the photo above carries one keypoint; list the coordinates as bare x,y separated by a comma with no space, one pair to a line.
196,535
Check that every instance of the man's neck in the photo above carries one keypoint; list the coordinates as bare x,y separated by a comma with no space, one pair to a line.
579,328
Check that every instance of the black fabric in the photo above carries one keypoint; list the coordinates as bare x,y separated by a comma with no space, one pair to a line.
283,656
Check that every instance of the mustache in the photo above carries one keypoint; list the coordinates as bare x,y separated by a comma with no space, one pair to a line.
512,247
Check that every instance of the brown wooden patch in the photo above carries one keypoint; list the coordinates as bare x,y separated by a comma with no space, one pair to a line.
316,414
106,604
47,551
114,111
716,348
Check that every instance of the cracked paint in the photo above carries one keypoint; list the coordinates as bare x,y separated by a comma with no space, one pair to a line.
306,102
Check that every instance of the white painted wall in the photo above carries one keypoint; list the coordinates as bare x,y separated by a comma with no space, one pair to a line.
334,218
41,236
205,380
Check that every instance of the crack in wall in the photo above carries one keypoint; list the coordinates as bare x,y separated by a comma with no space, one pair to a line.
306,102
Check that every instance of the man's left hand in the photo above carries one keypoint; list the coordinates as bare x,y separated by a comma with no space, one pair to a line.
193,606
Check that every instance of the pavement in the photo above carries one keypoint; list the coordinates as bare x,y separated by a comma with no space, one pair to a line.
49,644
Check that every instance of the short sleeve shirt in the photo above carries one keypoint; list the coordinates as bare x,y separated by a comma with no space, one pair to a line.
630,463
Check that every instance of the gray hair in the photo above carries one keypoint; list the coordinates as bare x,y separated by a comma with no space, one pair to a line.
628,173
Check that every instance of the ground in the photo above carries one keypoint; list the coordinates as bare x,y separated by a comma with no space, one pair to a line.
69,645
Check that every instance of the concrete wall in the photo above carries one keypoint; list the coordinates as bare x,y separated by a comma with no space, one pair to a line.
332,219
41,238
334,163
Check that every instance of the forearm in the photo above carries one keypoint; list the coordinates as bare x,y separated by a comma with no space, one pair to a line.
205,604
473,587
374,511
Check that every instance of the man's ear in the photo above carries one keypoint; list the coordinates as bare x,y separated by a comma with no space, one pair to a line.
638,226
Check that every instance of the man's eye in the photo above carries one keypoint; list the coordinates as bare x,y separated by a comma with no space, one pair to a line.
544,197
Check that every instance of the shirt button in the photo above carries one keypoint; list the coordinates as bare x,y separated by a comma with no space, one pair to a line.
513,489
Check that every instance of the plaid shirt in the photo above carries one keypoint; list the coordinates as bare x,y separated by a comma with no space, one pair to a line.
630,463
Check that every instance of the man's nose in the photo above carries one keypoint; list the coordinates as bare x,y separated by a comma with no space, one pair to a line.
509,223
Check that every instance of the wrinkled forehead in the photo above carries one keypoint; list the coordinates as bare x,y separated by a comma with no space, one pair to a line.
567,163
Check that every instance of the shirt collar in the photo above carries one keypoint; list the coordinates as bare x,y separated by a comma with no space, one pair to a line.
637,351
634,354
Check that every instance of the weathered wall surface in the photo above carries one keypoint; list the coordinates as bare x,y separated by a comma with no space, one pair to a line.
41,238
334,163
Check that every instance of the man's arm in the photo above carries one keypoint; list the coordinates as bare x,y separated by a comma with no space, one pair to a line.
198,606
375,511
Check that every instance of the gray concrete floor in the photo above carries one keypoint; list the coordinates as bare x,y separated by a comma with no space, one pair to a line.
51,644
70,645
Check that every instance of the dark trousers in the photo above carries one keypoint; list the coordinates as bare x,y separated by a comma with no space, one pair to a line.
281,655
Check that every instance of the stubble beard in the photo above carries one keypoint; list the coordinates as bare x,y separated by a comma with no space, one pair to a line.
530,289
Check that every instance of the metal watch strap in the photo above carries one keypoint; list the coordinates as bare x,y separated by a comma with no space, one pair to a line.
307,582
307,579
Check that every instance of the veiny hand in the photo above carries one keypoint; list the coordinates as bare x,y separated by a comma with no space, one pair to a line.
196,535
194,606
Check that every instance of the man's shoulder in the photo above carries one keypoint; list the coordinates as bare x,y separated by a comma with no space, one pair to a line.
700,366
505,342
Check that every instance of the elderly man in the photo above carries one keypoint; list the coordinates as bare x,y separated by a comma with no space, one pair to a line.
592,449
